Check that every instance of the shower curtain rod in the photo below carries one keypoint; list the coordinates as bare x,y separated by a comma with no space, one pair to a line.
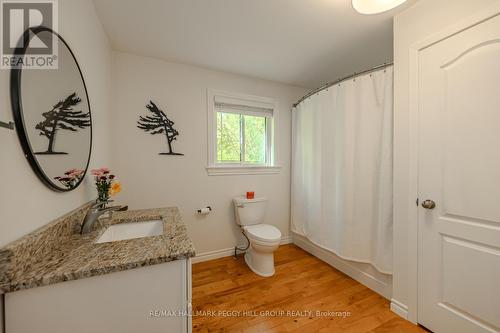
329,84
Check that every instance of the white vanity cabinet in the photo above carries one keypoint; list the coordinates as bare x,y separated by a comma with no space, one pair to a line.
150,299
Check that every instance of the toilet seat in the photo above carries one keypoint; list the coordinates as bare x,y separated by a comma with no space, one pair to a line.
263,232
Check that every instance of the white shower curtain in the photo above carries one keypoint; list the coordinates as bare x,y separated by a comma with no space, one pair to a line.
342,169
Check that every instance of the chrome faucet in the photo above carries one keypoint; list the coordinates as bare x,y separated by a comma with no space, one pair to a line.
93,214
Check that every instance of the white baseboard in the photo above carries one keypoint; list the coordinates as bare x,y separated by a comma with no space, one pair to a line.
211,255
399,308
363,273
286,240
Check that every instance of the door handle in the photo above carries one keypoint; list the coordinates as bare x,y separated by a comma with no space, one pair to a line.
428,204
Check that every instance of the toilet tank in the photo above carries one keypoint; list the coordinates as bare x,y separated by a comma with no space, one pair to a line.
249,211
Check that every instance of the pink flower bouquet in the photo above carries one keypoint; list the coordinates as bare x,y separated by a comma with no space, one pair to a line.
106,184
71,177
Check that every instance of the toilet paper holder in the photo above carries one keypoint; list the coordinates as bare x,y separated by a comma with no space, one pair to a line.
205,210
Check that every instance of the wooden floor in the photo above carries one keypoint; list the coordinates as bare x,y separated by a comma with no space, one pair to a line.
301,283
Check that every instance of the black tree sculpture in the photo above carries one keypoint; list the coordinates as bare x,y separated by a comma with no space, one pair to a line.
62,117
158,123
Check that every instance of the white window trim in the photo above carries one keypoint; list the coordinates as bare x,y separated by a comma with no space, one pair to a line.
219,169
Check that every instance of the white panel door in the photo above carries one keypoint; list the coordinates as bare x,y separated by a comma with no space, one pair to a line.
459,170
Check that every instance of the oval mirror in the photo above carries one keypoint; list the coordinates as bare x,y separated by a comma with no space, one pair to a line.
52,115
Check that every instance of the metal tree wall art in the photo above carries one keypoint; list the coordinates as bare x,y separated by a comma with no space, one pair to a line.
158,123
62,117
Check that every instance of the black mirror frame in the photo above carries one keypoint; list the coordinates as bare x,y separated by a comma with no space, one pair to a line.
17,110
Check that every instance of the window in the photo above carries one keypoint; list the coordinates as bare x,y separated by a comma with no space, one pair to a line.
241,134
241,138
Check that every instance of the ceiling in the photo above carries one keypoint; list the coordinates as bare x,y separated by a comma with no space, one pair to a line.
299,42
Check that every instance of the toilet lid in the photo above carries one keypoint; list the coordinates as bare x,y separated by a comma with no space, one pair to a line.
263,232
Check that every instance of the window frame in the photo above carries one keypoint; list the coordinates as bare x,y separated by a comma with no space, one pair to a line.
220,168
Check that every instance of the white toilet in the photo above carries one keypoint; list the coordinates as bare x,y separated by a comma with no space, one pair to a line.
264,238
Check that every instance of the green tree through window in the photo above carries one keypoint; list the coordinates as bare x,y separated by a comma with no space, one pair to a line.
255,139
228,137
231,140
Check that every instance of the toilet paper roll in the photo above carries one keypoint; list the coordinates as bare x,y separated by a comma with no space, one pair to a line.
204,211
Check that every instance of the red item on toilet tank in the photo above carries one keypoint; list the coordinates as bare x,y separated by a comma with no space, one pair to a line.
250,195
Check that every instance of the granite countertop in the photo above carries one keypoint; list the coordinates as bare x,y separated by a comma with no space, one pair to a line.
57,252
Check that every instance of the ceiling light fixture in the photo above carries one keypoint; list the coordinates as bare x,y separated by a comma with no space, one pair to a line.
375,6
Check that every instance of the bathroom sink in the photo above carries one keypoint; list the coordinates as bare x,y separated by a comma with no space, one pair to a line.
123,231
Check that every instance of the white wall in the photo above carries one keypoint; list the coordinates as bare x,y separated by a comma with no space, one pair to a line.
152,180
418,22
25,202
